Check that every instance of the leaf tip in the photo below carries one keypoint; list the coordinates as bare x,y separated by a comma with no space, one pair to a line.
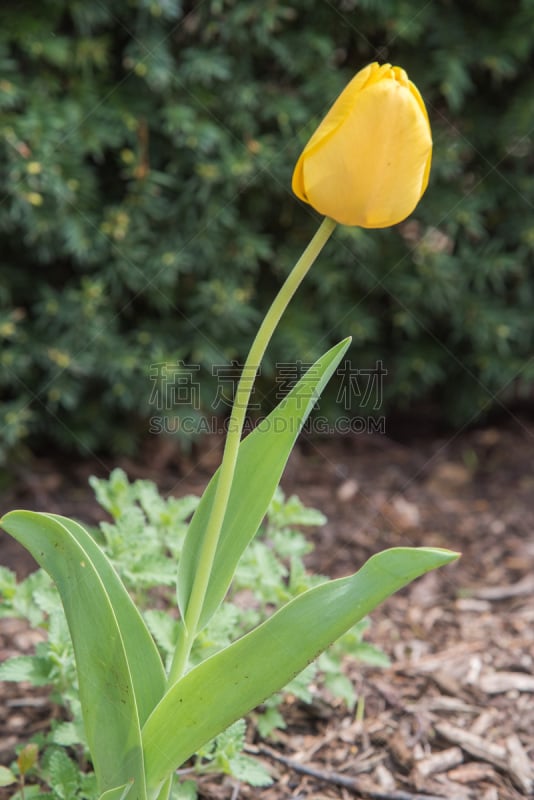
449,555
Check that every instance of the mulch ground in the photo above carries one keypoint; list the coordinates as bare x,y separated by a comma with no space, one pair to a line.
453,716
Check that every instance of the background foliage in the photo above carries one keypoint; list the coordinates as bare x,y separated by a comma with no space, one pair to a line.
146,152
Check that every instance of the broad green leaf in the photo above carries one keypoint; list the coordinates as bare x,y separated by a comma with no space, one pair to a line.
28,757
6,777
106,688
144,661
64,774
231,683
262,457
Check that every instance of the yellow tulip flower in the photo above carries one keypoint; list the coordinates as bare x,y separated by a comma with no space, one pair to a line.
368,162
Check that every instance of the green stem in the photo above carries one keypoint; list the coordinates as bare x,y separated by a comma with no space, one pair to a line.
233,439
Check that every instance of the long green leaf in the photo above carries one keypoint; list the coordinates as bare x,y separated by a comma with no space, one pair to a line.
106,688
231,683
262,457
144,661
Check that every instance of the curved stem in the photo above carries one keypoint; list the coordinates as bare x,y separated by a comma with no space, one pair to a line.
233,439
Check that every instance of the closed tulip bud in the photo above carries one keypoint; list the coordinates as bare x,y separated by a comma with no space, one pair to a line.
368,162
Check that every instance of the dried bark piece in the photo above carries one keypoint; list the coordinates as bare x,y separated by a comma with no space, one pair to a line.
438,661
500,682
475,668
449,790
384,778
474,745
348,490
523,587
401,752
484,721
472,772
444,703
441,761
491,793
520,767
512,759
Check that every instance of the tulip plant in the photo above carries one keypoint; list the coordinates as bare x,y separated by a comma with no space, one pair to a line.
367,164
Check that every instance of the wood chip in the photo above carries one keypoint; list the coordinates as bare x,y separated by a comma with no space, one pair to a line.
437,661
475,668
473,605
451,790
448,685
483,722
512,759
384,778
348,490
440,761
522,587
7,743
443,703
35,702
473,744
402,513
400,751
491,793
472,772
499,682
520,767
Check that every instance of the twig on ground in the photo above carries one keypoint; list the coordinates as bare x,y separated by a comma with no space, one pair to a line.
235,791
338,779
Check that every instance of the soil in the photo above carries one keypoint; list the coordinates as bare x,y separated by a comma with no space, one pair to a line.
453,716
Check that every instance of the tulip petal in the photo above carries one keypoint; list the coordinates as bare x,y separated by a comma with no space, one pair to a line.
331,122
368,162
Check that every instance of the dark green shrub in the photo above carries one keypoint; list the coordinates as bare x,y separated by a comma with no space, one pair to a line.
146,151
